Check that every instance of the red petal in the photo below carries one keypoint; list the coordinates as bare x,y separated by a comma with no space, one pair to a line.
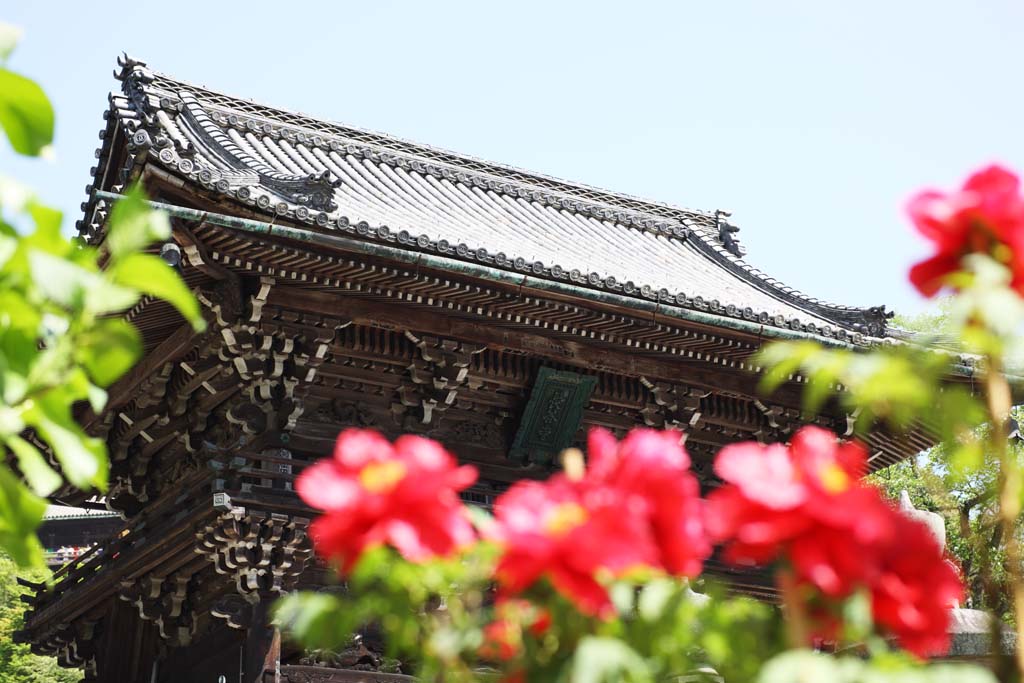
356,447
324,485
929,275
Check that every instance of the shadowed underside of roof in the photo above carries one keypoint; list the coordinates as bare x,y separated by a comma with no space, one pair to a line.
382,189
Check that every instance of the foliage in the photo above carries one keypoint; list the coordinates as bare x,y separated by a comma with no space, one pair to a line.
61,343
17,663
660,627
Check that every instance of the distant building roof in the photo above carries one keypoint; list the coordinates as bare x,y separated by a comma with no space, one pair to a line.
64,512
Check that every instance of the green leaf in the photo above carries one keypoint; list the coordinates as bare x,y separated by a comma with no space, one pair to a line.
151,275
9,37
38,473
313,619
82,458
109,349
8,245
804,666
106,297
21,512
133,225
782,359
607,660
60,280
654,597
26,114
46,217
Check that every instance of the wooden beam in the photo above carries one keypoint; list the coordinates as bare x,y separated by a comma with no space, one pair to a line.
122,391
402,317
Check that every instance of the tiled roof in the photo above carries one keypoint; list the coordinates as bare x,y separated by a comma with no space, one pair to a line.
54,512
383,189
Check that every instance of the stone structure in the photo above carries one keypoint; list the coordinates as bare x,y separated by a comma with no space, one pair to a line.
971,629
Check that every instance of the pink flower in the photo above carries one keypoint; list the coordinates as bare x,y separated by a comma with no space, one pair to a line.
985,216
774,494
372,493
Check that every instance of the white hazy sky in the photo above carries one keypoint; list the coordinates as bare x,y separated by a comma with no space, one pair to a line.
812,121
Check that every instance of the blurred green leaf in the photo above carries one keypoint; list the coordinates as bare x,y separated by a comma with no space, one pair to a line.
151,275
133,225
109,349
21,511
804,666
607,660
107,297
61,280
38,473
26,114
655,597
781,360
45,217
82,458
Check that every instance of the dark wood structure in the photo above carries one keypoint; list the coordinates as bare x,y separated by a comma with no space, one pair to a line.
350,278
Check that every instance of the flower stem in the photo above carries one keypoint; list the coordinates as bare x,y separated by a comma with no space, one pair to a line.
999,402
798,630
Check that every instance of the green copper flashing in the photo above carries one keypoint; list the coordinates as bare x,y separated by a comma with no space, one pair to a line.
494,274
486,272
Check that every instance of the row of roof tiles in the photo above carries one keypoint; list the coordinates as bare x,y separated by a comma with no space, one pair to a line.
423,199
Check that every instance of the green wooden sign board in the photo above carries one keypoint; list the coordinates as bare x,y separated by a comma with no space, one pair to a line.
552,416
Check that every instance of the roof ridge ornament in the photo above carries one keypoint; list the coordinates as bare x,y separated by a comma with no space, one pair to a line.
726,232
127,65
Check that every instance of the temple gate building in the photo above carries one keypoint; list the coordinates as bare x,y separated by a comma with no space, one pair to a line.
349,278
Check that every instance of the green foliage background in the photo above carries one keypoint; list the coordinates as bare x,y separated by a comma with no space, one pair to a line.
17,663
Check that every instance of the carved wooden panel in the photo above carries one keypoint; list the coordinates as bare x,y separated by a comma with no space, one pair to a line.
552,416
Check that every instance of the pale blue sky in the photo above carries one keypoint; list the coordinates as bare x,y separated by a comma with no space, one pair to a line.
811,121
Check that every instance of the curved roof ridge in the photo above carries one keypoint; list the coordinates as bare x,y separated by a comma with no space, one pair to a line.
208,137
642,204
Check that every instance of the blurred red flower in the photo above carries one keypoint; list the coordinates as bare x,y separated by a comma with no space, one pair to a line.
503,637
776,494
568,533
985,216
373,492
636,506
915,588
653,467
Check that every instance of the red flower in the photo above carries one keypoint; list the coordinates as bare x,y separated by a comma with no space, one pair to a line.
636,506
502,641
653,467
915,588
568,533
807,505
503,637
373,492
985,216
775,495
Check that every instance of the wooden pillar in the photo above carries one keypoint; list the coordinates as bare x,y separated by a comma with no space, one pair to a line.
261,652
